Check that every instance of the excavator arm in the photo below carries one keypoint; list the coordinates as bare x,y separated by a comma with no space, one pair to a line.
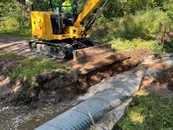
87,10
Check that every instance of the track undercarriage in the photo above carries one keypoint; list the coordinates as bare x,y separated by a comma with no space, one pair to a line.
81,48
60,50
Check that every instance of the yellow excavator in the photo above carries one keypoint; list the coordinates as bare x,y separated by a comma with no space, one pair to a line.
61,33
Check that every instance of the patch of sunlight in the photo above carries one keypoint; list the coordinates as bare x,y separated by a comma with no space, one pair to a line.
121,44
24,78
136,117
141,93
34,82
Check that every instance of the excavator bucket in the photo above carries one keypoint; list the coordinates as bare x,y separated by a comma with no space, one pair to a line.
91,51
95,59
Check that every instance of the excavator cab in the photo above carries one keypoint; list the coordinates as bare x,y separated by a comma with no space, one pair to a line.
67,9
54,31
55,22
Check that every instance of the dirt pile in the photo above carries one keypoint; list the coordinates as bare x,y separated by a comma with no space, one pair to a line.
161,84
51,87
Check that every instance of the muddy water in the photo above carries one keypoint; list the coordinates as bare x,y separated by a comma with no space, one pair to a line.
23,118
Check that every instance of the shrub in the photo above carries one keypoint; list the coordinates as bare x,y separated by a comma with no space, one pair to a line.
120,8
145,25
14,18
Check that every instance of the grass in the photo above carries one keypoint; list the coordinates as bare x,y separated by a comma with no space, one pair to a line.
147,112
26,69
151,45
30,68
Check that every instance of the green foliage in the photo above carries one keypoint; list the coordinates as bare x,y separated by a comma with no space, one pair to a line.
134,31
170,43
30,68
168,7
144,24
120,44
121,8
14,18
9,12
9,8
104,29
147,112
41,5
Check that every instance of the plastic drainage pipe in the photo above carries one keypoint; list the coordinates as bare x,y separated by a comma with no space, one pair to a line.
87,113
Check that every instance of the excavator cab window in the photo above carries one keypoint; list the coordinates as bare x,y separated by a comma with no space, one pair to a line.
63,6
67,14
68,9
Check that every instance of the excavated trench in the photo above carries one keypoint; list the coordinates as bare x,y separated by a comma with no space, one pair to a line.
58,91
62,86
120,62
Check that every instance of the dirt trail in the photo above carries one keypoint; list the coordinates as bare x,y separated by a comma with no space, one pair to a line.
18,46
